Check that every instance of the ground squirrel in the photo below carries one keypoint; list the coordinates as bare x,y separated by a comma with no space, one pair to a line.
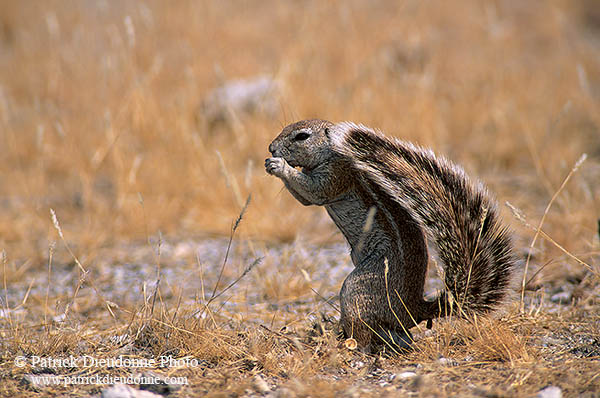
383,194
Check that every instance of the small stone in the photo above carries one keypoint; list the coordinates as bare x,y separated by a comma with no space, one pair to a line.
406,375
550,392
549,341
124,391
407,379
238,97
59,318
446,361
561,298
260,385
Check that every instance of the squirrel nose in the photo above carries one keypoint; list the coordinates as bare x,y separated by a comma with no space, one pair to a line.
272,149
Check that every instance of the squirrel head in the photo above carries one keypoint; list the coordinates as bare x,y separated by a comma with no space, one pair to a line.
304,144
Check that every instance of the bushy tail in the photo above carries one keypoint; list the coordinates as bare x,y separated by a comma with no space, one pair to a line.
456,213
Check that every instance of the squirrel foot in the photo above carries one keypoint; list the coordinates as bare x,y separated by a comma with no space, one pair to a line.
396,341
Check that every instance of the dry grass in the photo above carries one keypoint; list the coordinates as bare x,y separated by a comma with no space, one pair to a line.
100,120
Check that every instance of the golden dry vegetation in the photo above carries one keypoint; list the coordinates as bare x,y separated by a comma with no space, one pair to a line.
103,120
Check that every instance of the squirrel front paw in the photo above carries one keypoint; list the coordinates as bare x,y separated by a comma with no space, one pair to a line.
276,166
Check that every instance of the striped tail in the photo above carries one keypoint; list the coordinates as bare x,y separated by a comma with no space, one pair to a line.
458,215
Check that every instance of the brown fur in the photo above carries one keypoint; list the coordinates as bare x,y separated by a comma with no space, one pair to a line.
384,195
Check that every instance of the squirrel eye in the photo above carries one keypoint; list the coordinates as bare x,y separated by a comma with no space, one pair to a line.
301,136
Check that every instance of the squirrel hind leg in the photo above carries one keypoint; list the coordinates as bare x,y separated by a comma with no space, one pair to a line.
367,315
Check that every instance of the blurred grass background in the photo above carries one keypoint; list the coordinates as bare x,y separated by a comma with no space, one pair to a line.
101,110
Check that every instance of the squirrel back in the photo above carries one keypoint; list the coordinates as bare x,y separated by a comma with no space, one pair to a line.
458,215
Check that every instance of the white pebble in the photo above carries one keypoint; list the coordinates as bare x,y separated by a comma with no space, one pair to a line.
550,392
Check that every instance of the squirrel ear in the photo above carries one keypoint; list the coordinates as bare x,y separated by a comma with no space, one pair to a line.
327,131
